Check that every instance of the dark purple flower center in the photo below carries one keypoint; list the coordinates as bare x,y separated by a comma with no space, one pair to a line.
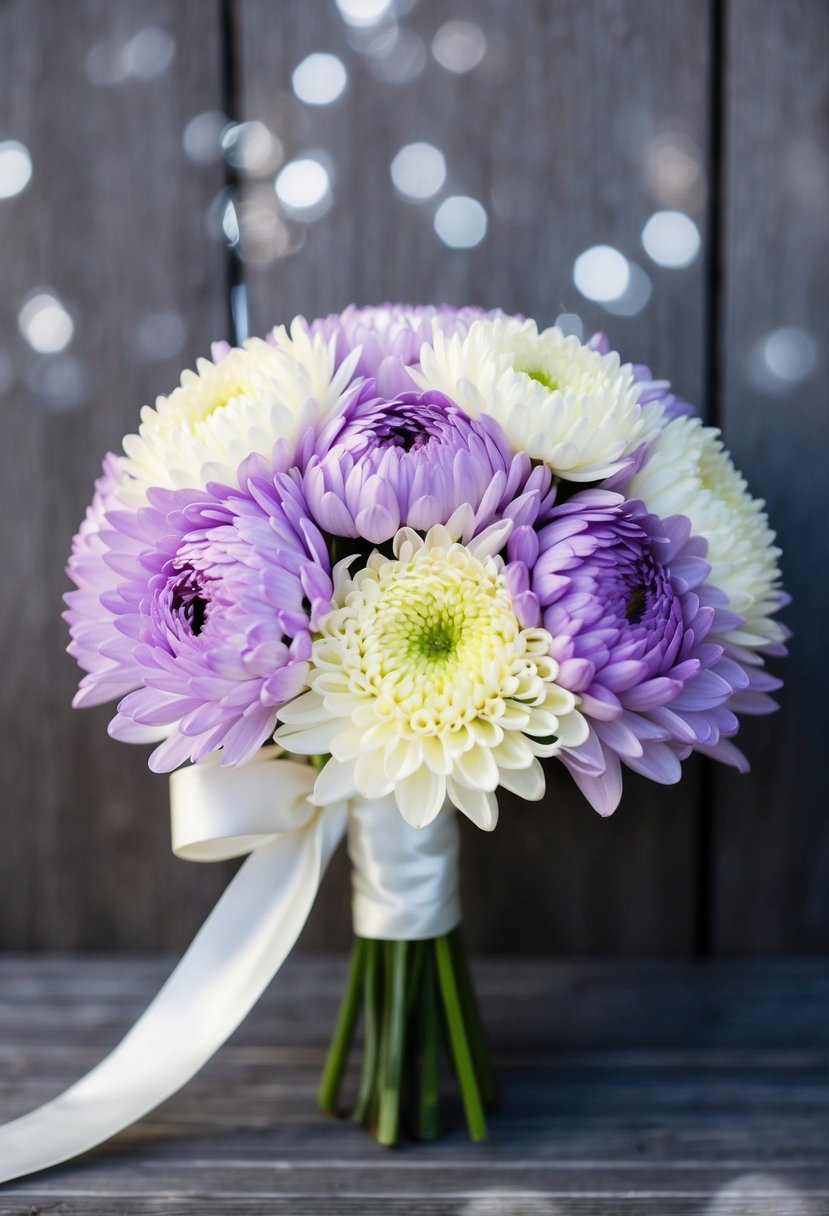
635,605
188,602
402,432
409,423
633,586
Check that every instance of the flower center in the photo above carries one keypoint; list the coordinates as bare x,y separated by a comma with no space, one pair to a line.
539,375
436,642
434,620
432,642
223,398
635,605
187,601
405,433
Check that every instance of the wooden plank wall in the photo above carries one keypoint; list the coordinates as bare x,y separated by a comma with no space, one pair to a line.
580,121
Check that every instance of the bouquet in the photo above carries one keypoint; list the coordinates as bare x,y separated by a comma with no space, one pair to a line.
359,576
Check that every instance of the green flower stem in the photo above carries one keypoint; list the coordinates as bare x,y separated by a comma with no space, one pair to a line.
365,1106
414,973
458,1040
329,1090
413,996
394,1031
472,1019
428,1056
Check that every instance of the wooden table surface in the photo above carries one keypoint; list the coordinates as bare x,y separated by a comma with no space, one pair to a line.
659,1088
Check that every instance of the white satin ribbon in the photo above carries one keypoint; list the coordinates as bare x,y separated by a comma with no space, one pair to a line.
262,809
404,880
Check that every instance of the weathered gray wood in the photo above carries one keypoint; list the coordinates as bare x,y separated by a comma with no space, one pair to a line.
643,1088
757,1201
557,127
772,843
113,221
558,132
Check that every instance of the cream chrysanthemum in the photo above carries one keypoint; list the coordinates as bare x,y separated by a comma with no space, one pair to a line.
425,684
689,472
240,405
556,399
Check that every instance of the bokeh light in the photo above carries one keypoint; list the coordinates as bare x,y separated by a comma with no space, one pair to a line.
44,322
61,383
251,147
230,222
635,296
202,137
320,79
418,171
144,56
671,239
148,53
461,222
363,12
303,186
674,171
601,273
398,58
783,358
263,234
15,168
459,46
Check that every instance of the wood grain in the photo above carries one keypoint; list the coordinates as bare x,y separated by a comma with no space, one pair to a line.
113,223
772,842
555,133
627,1087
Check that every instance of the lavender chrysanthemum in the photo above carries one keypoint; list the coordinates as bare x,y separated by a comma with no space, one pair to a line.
412,461
206,602
623,594
391,337
90,625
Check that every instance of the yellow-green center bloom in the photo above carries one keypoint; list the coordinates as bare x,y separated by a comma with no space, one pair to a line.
426,684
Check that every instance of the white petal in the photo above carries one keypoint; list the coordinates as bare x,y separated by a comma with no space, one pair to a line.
420,796
309,741
527,783
478,805
335,783
477,769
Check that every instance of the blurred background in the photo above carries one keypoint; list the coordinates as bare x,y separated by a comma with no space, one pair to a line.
175,171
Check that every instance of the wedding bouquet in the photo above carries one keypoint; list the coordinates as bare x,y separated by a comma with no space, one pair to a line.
423,549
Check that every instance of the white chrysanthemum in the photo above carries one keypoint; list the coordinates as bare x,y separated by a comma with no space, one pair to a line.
425,684
689,472
556,399
238,406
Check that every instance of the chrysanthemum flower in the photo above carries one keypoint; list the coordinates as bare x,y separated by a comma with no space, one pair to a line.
90,624
556,399
205,604
390,337
624,596
414,461
688,471
424,683
254,400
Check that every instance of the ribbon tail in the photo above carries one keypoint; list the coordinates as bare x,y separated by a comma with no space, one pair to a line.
231,961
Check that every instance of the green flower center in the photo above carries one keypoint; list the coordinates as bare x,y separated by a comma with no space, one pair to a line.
540,376
436,641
